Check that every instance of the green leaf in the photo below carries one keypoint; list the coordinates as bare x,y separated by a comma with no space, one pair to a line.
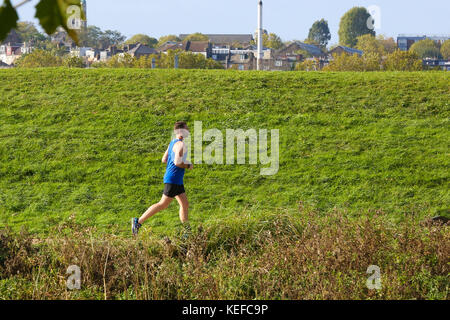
53,13
8,18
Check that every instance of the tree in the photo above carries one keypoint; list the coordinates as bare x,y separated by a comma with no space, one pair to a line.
54,48
111,38
51,14
73,62
167,38
28,32
94,37
320,33
445,50
273,41
354,24
145,62
144,39
346,62
122,61
308,65
389,44
403,61
90,37
197,37
426,49
187,60
39,59
369,44
270,40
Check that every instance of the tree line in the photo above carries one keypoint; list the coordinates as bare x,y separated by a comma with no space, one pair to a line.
380,53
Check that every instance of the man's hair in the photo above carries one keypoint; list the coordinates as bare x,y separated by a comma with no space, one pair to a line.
180,125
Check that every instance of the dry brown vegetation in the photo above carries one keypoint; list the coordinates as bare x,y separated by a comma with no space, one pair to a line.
302,256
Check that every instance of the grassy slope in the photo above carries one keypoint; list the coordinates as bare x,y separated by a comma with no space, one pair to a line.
89,143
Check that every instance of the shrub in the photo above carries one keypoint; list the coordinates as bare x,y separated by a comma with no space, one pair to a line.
39,59
426,49
403,61
122,61
346,62
300,256
308,65
73,62
445,50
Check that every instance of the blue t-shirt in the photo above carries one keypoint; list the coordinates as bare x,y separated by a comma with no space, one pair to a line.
174,175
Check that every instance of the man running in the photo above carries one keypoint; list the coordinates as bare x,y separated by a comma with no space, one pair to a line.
175,158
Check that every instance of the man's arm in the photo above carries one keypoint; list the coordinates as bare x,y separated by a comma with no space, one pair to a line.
179,152
166,156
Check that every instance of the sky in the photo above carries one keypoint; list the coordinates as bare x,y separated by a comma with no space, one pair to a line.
290,19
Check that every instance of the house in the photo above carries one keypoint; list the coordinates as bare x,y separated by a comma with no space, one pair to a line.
62,40
221,54
278,64
286,58
225,39
9,53
237,58
342,49
138,50
241,60
404,42
80,52
437,63
170,45
107,54
199,47
92,55
267,52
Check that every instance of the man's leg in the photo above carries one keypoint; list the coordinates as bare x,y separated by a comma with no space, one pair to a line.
154,209
184,207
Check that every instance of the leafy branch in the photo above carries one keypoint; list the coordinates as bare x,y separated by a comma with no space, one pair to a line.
50,13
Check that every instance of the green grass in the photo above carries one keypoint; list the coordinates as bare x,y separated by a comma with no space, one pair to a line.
88,143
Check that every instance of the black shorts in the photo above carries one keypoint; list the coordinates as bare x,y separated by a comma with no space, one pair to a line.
173,190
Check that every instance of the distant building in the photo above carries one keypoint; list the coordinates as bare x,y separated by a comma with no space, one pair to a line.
92,55
404,42
221,54
225,39
198,47
138,50
9,53
300,48
437,63
278,63
237,58
62,40
170,45
241,60
107,54
342,49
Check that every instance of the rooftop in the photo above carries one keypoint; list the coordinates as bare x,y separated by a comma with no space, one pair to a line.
225,38
350,50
